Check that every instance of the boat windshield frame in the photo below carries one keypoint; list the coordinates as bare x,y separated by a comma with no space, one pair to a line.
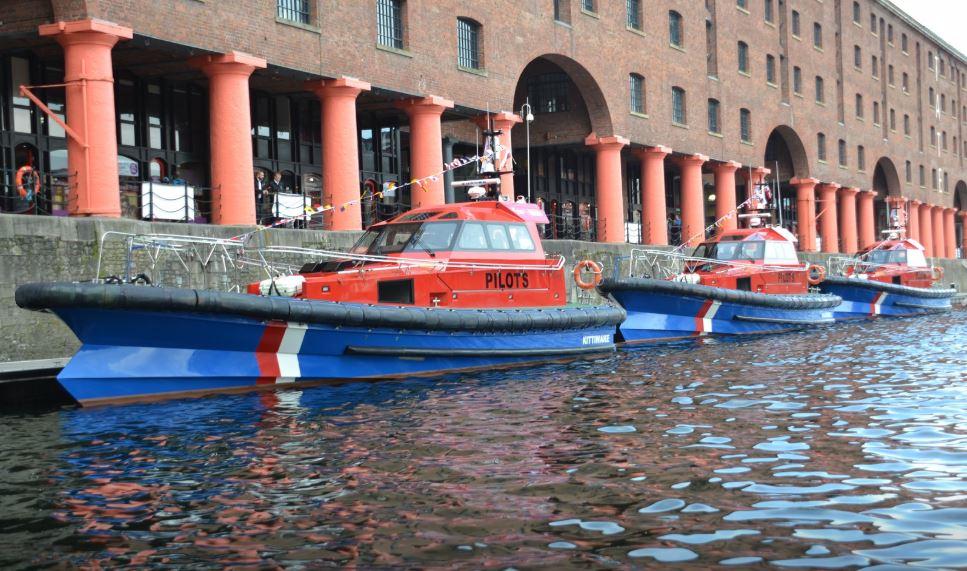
410,236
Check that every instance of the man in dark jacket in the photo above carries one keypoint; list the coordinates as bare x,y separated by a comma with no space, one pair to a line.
261,185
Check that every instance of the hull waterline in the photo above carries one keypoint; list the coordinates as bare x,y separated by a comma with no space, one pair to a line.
863,299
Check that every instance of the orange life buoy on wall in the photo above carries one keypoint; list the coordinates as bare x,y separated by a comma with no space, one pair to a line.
23,179
818,277
937,274
592,267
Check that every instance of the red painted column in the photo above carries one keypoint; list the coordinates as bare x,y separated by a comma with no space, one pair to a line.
230,124
725,194
806,212
926,229
608,193
828,224
340,150
950,235
693,200
847,219
913,220
504,122
939,243
867,219
88,71
654,224
426,147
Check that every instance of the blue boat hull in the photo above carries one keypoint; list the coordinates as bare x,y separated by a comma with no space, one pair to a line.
661,311
129,353
864,299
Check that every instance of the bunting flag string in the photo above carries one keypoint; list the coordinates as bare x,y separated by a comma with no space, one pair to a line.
718,223
420,183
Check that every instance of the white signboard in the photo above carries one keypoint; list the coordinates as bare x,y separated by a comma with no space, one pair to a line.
286,205
167,201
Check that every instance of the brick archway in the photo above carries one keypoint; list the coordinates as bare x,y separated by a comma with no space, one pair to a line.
786,147
595,106
886,179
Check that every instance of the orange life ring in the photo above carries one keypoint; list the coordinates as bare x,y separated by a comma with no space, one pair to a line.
937,274
24,190
819,277
592,267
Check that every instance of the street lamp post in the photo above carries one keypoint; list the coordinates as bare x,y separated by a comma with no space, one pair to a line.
526,112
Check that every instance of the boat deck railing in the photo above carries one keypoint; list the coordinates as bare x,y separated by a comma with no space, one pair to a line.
663,264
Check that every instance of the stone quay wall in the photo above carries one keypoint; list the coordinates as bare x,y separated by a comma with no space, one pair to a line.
34,249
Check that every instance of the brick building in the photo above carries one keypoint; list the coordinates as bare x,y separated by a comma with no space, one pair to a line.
643,110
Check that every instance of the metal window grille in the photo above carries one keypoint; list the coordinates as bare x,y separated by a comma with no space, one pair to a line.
468,44
745,125
713,116
678,105
637,94
548,93
293,10
675,28
634,13
389,23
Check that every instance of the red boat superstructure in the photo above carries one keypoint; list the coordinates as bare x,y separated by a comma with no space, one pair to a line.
760,260
899,261
484,254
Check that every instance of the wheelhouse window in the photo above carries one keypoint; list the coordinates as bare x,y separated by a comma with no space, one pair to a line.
389,23
468,44
293,10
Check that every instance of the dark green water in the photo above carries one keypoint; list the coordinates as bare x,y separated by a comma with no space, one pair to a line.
839,448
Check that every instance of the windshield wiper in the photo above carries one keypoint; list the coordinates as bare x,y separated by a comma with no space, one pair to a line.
418,241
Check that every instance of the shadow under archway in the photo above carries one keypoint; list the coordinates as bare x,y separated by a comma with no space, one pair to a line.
886,183
786,157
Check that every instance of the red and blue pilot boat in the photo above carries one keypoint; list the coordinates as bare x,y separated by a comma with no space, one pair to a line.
743,281
436,289
890,277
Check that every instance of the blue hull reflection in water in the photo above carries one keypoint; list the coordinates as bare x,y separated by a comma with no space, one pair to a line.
839,448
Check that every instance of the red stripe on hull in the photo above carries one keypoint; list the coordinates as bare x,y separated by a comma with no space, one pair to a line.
267,351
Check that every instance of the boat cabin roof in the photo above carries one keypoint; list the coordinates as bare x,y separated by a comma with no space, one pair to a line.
767,246
487,211
899,244
900,252
755,234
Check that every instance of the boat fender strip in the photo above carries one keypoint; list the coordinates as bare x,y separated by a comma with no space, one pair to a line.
777,301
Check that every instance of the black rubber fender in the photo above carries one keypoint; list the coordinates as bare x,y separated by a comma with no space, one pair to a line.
806,301
921,292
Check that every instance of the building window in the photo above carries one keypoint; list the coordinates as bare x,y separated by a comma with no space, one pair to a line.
875,63
562,11
873,23
293,10
797,79
931,95
909,172
893,119
876,112
933,137
637,87
548,92
820,90
857,57
903,43
889,34
943,138
588,6
923,176
634,13
742,4
767,9
817,35
678,106
713,116
859,106
943,66
743,57
861,158
795,23
821,146
676,34
468,44
856,12
771,69
943,102
389,23
906,82
930,62
933,179
889,75
843,158
745,125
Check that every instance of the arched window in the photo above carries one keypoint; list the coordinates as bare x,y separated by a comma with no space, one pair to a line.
856,13
859,106
821,146
820,90
906,124
797,79
909,172
468,44
770,69
743,57
861,158
679,114
795,24
767,11
817,35
676,31
876,112
745,125
714,124
857,57
893,119
637,93
933,137
843,156
875,65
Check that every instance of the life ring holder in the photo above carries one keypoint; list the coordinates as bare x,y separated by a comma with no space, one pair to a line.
24,190
591,266
937,272
819,276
